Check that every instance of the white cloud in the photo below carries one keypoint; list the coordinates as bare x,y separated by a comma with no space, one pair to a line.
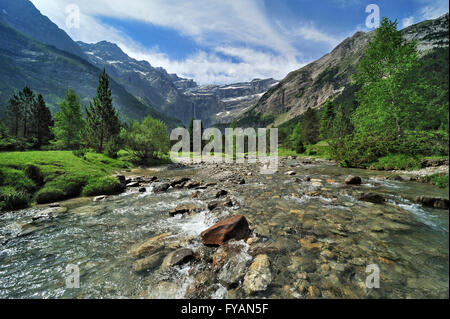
433,9
407,22
233,28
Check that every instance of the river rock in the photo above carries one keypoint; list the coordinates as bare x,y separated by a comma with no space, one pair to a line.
164,290
204,254
258,276
372,198
49,213
99,198
434,202
161,187
221,193
121,179
147,263
230,262
133,184
191,185
149,246
179,181
235,227
353,180
177,257
185,208
203,286
291,173
227,203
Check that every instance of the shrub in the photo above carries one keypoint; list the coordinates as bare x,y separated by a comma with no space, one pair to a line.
145,140
102,186
10,198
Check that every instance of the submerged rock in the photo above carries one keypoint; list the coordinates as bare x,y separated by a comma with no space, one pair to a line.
49,213
258,276
149,246
147,263
372,198
178,257
235,227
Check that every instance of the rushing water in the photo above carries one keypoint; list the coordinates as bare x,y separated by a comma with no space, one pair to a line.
324,239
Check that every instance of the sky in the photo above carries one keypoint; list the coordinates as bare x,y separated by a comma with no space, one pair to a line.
228,41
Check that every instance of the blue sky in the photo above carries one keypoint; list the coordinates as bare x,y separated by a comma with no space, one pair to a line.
229,41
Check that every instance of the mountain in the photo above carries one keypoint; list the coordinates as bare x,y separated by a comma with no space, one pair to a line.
223,104
312,85
149,84
23,16
172,95
50,71
51,66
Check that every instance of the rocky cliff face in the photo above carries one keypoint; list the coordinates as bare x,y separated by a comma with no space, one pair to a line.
223,104
314,84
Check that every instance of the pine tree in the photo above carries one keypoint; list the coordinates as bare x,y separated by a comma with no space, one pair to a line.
310,127
69,123
40,121
14,116
27,99
327,120
103,125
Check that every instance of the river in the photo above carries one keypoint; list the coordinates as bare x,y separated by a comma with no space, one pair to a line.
317,234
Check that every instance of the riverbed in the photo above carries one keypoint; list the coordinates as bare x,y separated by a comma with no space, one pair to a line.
317,233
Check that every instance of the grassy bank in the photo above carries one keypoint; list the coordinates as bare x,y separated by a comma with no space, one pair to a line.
49,176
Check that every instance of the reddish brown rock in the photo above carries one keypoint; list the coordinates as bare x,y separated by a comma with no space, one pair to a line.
235,227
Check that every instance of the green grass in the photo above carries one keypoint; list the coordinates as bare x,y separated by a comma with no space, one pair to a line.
106,185
63,174
396,162
440,180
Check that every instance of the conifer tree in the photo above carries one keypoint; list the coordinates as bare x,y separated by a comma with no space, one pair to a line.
102,121
69,123
41,121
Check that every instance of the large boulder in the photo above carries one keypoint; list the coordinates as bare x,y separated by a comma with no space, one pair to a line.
235,227
258,276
